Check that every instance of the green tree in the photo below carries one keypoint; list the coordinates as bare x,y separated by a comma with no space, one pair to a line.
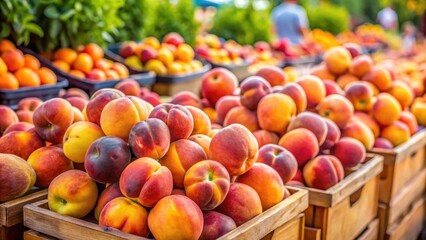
134,15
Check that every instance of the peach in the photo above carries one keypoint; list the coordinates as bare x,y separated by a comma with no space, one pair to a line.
176,217
234,147
152,42
275,112
72,193
14,59
6,45
21,144
125,215
418,108
96,74
94,50
298,177
177,118
119,115
274,75
216,225
298,95
83,62
279,159
150,97
76,92
121,70
217,83
264,137
182,155
242,203
386,109
402,92
314,89
333,135
349,151
383,143
331,87
64,67
360,94
3,67
67,55
243,116
345,79
52,119
103,64
18,127
173,38
252,90
202,124
146,181
354,49
48,162
8,117
337,60
361,65
98,102
111,192
106,159
397,133
207,183
30,62
186,98
25,116
224,105
78,115
177,191
322,72
323,172
336,108
202,140
78,138
369,121
410,120
29,103
266,182
312,122
360,132
380,77
16,177
149,138
184,53
292,141
129,87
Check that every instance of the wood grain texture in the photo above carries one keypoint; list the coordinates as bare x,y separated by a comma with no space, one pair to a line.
33,235
371,232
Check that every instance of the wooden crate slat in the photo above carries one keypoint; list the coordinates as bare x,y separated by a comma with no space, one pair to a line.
372,231
292,230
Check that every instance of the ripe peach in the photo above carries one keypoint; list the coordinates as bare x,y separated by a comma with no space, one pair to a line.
322,72
333,135
129,87
176,217
96,74
242,203
360,94
173,38
252,90
21,144
349,151
27,77
298,95
8,81
216,225
274,75
182,155
67,55
345,79
264,137
76,92
184,52
314,89
279,159
312,122
217,83
111,191
380,77
202,124
397,133
177,118
337,60
146,181
360,132
202,140
147,54
119,115
25,116
78,115
402,92
337,108
383,143
275,112
207,183
72,193
410,120
94,50
354,49
361,65
235,147
331,87
242,116
78,102
18,127
83,62
6,45
125,215
149,138
186,98
369,121
386,109
323,172
418,108
224,105
98,102
103,64
292,141
127,49
8,117
48,162
64,67
52,119
166,56
30,62
14,59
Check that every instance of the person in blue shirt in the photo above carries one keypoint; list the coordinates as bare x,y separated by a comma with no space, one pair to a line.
290,21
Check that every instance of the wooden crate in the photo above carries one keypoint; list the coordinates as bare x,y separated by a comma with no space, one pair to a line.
38,217
292,230
400,166
33,235
371,232
345,210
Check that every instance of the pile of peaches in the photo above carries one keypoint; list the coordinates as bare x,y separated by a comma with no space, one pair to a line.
21,70
172,56
88,62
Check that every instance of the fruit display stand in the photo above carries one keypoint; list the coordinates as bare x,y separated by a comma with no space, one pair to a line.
11,214
347,210
278,221
402,187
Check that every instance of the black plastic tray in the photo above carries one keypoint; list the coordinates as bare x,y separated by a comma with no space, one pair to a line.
112,52
144,78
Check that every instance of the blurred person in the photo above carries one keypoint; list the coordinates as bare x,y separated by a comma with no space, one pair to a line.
290,21
408,37
388,18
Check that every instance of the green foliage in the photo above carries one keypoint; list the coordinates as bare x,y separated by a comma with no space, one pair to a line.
328,17
17,21
70,23
244,25
134,15
167,18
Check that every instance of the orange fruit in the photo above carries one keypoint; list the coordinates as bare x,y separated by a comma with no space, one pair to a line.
84,63
46,76
122,70
112,74
8,81
3,67
184,53
165,56
6,45
14,59
77,73
27,77
65,67
31,62
152,41
94,51
103,64
67,55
